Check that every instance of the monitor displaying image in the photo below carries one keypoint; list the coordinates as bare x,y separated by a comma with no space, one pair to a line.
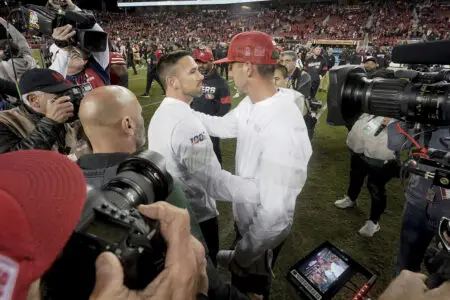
323,269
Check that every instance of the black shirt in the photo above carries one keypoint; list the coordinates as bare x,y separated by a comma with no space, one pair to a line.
216,100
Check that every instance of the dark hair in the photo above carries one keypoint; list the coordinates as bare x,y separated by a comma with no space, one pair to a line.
266,70
282,69
166,64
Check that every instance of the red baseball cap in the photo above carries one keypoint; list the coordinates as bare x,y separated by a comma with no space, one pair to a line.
42,195
252,46
203,56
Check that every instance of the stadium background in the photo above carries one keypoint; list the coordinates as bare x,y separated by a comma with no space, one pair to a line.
316,218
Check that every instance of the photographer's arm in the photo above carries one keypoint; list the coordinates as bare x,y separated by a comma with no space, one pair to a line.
17,38
43,137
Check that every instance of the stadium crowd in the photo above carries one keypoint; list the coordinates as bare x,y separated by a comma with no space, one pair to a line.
74,123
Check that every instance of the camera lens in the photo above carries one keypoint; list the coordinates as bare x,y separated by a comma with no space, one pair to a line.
141,179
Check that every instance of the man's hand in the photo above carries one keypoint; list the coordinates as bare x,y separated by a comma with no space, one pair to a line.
411,286
59,110
64,33
63,4
184,262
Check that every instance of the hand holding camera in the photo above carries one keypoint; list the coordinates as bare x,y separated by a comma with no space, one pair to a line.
60,110
185,261
62,35
60,4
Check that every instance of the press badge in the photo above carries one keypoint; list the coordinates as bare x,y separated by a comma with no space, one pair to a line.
372,126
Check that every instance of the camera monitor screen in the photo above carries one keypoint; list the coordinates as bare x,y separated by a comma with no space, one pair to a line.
323,269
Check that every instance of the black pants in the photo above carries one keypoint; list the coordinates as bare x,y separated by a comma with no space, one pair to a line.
377,178
216,146
210,231
131,64
224,67
256,284
151,75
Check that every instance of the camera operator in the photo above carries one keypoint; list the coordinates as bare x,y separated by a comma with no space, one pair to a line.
41,122
299,80
411,286
42,195
180,137
112,144
14,50
75,64
370,157
425,203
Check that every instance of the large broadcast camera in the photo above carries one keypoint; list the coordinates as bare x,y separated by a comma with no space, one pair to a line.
111,222
41,20
422,102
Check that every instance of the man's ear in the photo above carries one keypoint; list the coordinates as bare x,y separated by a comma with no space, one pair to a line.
128,126
249,69
174,82
33,99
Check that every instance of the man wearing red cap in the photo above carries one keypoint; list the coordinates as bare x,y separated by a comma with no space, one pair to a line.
215,99
273,149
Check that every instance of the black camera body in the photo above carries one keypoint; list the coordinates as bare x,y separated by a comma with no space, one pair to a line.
76,94
41,20
437,257
111,222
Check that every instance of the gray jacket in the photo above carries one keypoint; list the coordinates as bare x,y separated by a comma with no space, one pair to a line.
419,188
23,63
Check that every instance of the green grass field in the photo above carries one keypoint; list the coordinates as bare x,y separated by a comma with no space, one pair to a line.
316,218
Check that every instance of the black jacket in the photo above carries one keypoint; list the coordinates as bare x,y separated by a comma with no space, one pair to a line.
100,168
301,82
46,134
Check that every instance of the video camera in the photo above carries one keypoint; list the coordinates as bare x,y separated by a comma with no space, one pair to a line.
41,20
422,102
111,222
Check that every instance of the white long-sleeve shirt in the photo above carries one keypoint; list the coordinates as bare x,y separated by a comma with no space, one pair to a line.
177,134
273,149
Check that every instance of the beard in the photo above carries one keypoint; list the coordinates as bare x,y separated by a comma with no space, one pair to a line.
140,137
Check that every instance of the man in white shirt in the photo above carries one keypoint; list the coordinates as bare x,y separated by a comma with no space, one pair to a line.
273,149
181,138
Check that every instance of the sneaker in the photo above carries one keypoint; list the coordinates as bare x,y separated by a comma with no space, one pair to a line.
237,95
344,203
145,95
369,229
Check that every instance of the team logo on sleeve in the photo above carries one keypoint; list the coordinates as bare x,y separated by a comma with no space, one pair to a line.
198,138
209,92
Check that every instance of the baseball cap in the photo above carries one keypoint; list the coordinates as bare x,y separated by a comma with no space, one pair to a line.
44,80
42,195
252,46
203,56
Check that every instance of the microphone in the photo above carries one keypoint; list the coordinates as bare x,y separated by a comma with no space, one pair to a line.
427,53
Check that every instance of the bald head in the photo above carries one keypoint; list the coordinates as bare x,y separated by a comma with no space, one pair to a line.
111,118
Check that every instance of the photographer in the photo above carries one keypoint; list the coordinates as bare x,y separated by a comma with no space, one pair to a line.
425,203
99,111
73,63
370,157
41,122
34,233
16,50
